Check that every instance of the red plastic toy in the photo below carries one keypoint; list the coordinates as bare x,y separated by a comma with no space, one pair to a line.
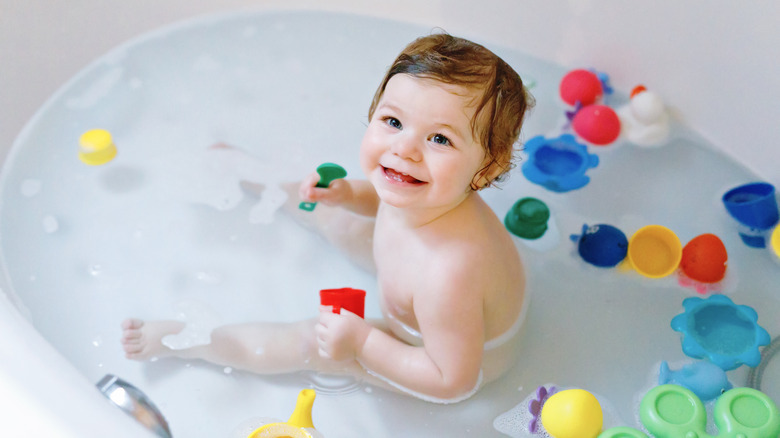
704,259
344,298
581,86
597,124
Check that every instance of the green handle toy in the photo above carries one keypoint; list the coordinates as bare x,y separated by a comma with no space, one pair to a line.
328,172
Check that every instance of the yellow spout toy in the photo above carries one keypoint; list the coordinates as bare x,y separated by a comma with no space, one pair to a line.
296,426
96,147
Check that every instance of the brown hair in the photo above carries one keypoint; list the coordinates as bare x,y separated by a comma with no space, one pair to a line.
457,61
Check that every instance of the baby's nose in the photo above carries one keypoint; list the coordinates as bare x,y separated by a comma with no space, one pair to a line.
408,148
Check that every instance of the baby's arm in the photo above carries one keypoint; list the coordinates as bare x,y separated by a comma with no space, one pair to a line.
446,368
448,365
357,196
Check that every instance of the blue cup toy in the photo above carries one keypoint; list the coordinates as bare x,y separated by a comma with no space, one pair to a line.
754,206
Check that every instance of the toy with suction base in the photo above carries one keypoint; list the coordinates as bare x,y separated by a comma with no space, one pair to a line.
296,426
707,380
774,242
328,172
558,164
671,411
528,218
654,251
721,331
96,147
572,413
754,207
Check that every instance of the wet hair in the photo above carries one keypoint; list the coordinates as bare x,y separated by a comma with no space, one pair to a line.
501,106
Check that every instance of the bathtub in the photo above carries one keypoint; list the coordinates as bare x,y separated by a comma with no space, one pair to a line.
41,367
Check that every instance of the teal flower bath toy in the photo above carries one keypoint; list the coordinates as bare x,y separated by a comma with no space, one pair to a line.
725,333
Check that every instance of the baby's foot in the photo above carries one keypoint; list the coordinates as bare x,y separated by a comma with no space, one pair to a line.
143,340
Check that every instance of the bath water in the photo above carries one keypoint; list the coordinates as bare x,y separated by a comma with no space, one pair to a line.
167,223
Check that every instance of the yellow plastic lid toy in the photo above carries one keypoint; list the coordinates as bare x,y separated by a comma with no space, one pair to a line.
96,147
296,426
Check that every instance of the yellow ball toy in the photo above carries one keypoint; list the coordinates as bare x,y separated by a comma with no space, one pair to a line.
573,413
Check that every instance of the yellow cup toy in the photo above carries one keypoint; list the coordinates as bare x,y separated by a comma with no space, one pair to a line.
298,426
654,251
96,147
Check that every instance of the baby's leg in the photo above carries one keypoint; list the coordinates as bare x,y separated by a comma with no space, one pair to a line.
263,348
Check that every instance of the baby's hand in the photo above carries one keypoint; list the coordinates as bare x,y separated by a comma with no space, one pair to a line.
338,192
340,337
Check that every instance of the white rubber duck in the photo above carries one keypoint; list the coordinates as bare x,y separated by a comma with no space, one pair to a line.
645,120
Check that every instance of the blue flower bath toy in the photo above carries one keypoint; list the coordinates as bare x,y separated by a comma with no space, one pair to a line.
559,164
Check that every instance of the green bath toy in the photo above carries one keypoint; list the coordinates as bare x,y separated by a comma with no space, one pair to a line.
328,172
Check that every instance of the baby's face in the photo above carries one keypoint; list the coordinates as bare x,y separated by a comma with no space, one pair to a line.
419,149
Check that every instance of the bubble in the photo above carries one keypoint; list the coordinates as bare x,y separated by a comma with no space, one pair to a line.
332,384
249,32
273,198
227,370
95,270
50,224
200,321
31,187
208,277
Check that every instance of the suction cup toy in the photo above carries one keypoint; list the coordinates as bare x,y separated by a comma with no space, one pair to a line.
597,124
298,426
654,251
707,380
528,218
704,259
328,172
580,86
720,331
754,206
601,245
572,413
96,147
622,432
558,164
670,411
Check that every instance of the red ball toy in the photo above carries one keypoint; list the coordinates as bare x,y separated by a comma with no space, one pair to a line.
597,124
581,86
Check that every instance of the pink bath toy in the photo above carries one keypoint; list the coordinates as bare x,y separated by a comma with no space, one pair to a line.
597,124
581,86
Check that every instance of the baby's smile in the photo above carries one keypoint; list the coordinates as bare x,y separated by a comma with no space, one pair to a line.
400,177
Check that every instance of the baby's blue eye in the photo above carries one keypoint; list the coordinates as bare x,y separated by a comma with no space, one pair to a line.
395,123
440,139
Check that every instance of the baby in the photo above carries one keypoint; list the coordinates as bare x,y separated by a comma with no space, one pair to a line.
442,127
